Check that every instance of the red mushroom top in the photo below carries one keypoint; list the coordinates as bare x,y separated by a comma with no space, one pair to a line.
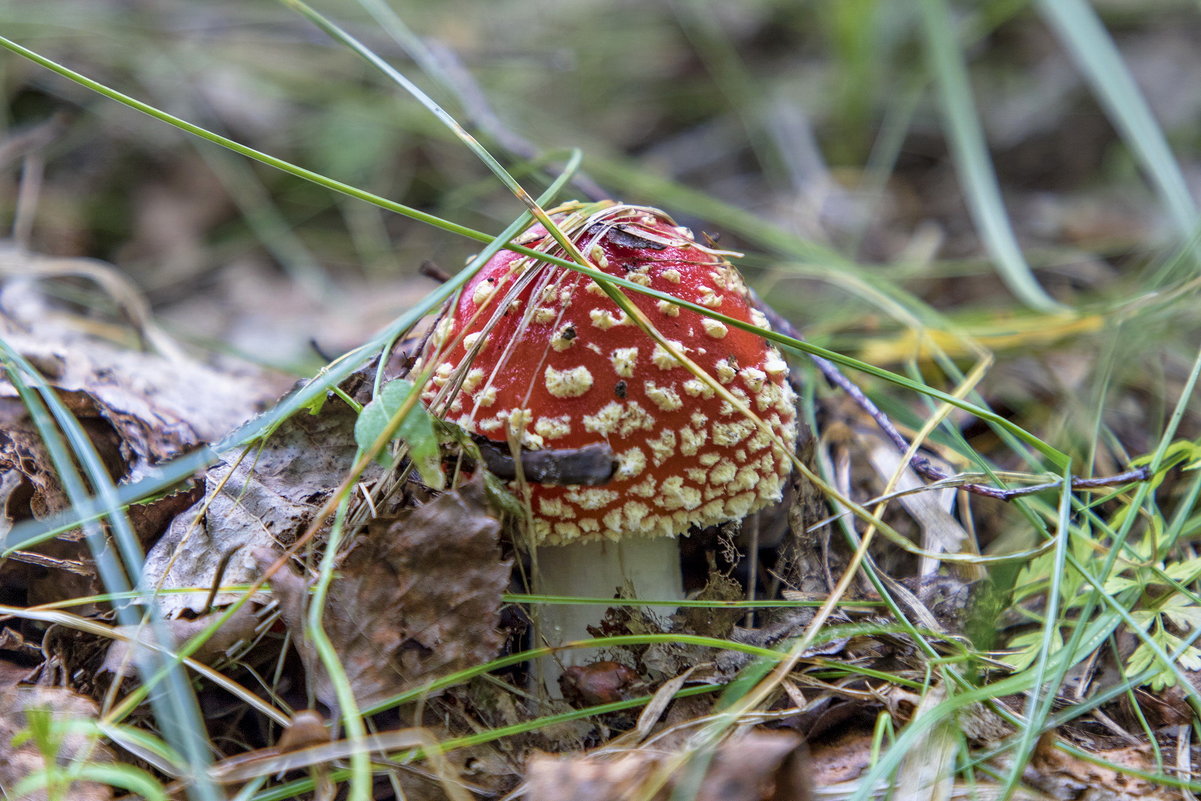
542,352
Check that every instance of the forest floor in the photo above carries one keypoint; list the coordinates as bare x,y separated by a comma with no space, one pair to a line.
987,216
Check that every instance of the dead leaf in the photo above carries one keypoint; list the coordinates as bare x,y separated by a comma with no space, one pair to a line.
839,759
121,656
415,598
601,682
759,766
1064,776
659,703
137,409
11,672
18,762
29,489
157,406
260,499
713,621
806,557
17,653
306,729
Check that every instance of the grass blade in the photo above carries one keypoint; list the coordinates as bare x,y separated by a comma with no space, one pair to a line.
1076,24
473,144
970,152
237,147
174,705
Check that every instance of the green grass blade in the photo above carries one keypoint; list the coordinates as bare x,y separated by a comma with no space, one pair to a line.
127,777
347,364
237,147
970,152
1080,30
394,75
1043,693
174,705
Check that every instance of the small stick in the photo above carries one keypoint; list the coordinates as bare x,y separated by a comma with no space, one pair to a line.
591,465
921,464
431,270
222,566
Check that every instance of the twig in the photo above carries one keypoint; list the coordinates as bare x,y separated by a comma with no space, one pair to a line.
431,270
921,464
590,465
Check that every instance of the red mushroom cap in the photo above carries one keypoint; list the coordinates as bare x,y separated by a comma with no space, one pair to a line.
562,366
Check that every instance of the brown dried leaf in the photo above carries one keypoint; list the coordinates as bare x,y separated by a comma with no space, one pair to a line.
265,499
132,359
805,556
17,645
121,656
713,621
17,763
156,406
759,766
415,598
1064,776
29,489
839,759
137,409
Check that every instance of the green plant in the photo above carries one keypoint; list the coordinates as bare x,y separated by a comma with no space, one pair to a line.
65,767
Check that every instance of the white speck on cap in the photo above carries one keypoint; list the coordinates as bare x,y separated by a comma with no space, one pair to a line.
714,328
570,383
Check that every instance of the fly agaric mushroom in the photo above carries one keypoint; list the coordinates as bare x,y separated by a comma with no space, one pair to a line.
538,355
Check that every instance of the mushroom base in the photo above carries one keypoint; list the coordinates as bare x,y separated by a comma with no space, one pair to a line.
646,568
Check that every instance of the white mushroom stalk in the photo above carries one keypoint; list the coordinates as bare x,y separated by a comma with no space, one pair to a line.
648,568
540,356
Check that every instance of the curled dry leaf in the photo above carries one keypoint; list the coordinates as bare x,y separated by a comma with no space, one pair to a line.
759,766
156,406
842,758
137,409
415,598
306,728
601,682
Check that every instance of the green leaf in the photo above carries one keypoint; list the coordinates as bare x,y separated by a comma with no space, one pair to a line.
499,494
1190,660
1026,648
315,405
1181,451
1144,618
39,727
1142,658
1184,572
1181,611
416,430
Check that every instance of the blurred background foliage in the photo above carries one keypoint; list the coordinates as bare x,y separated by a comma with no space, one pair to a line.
808,134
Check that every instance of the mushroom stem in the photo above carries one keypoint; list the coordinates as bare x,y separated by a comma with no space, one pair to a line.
649,566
